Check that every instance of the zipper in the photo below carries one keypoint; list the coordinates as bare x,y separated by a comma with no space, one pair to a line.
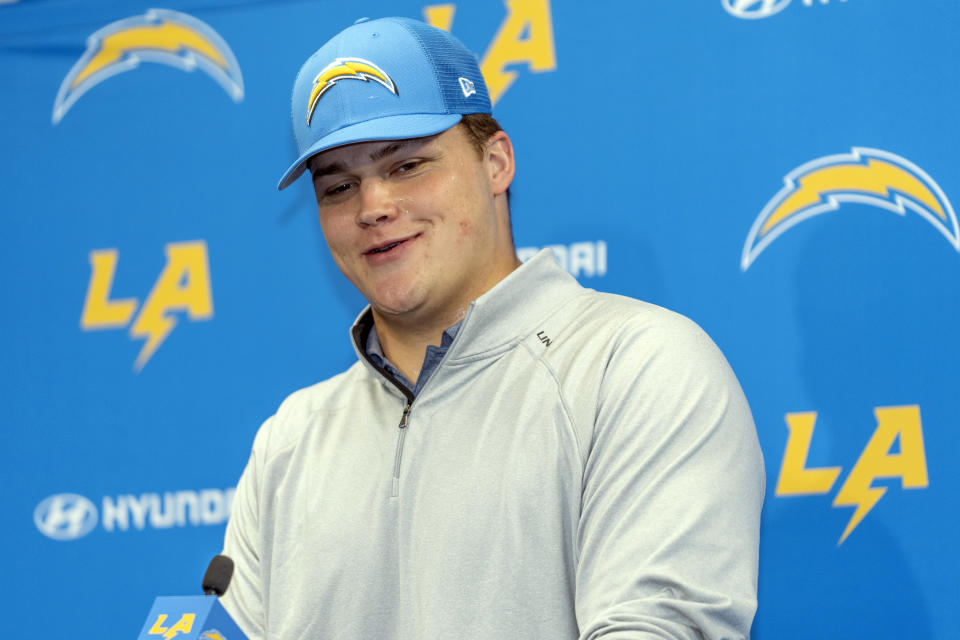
402,427
395,490
359,337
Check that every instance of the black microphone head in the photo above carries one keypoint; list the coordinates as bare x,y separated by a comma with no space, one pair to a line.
217,578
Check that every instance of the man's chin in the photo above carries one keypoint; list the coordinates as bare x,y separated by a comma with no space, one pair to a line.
396,307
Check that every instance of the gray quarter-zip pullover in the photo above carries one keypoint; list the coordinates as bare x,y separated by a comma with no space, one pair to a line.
579,465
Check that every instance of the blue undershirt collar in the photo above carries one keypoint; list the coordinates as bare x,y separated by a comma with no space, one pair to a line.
431,359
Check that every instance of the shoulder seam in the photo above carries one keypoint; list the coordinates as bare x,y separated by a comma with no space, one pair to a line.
563,399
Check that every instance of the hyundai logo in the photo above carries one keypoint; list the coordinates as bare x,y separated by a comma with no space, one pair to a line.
65,516
753,9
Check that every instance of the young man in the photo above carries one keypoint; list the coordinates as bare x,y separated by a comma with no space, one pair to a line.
512,456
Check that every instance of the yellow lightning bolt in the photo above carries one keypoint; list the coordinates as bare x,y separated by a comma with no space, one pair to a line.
876,178
348,68
153,325
876,461
212,635
184,284
166,36
859,495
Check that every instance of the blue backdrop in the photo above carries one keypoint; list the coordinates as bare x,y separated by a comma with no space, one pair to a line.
781,171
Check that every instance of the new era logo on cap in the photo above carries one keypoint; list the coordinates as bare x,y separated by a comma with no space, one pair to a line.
467,87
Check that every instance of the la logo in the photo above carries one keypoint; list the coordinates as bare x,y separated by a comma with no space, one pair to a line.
894,451
183,625
183,285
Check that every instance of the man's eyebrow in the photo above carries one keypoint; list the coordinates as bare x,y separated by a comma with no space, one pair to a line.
376,156
326,170
390,149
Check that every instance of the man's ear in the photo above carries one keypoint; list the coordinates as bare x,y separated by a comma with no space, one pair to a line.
500,162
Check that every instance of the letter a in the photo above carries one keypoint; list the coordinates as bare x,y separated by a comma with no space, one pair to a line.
184,625
876,461
526,35
184,284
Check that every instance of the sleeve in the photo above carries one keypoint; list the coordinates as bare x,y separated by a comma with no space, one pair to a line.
672,492
243,599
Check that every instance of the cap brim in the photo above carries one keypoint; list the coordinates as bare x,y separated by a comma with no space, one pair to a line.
400,127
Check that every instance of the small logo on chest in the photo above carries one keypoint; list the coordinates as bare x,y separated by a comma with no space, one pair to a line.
543,338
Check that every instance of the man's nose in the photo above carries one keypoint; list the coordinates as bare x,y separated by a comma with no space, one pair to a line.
377,204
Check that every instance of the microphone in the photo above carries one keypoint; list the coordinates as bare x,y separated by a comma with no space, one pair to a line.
217,578
196,617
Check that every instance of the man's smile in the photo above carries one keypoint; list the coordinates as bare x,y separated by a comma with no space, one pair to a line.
385,251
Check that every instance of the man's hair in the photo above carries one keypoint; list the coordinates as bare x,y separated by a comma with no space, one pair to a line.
479,127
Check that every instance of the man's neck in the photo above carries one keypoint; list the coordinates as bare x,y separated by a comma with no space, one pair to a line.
404,338
404,345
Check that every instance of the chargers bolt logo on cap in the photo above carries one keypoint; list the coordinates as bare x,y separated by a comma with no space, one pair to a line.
346,68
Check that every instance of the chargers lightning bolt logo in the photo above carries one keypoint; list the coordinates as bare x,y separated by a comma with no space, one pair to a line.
867,176
350,69
160,35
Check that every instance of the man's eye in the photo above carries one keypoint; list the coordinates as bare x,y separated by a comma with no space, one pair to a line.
339,189
407,167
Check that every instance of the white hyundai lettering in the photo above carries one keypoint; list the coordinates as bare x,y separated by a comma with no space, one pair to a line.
167,510
587,259
65,516
68,516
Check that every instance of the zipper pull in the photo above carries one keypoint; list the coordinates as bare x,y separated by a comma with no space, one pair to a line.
403,419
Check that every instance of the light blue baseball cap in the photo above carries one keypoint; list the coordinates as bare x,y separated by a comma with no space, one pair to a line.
386,79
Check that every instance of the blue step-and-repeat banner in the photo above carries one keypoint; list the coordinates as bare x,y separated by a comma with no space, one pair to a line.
781,171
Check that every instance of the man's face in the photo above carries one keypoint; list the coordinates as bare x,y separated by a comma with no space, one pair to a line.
414,224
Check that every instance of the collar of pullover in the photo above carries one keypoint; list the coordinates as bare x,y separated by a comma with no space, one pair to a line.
504,314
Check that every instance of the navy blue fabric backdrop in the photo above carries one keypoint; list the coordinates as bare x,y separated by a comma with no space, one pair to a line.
781,171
